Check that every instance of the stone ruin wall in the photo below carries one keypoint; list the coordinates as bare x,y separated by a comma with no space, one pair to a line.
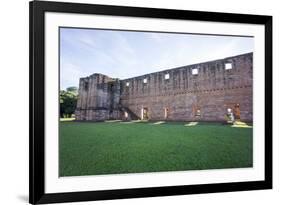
212,91
98,98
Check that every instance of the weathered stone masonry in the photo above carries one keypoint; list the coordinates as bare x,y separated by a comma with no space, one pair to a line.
201,92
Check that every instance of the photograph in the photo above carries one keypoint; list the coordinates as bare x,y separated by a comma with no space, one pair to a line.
133,101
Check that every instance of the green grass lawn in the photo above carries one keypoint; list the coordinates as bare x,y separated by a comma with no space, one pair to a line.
88,148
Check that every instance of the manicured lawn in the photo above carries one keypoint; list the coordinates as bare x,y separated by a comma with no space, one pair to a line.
88,148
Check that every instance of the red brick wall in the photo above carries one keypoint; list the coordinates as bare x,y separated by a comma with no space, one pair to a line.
212,90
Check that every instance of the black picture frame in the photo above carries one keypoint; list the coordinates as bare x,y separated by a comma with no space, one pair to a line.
37,194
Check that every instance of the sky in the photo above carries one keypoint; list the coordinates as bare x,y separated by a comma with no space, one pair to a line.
126,54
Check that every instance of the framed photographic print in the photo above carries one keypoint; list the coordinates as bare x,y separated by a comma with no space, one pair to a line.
140,102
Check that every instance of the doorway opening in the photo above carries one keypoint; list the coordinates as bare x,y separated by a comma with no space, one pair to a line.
196,111
166,113
236,111
145,113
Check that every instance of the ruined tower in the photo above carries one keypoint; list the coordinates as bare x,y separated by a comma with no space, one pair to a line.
99,97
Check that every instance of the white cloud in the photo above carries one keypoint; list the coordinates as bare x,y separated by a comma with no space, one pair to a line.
121,54
70,75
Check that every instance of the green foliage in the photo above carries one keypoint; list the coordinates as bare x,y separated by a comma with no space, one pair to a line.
127,147
72,89
68,101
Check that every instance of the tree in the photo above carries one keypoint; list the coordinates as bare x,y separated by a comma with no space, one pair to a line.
68,101
72,89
